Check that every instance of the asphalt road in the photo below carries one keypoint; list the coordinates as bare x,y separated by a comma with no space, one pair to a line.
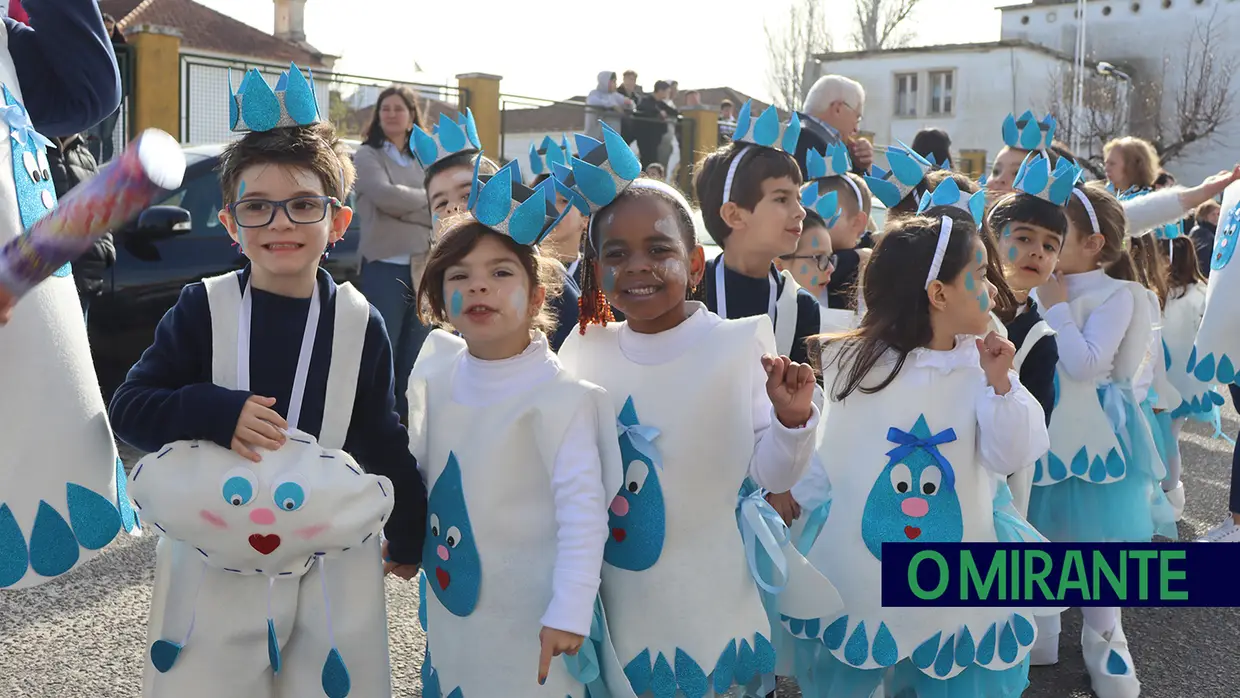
84,636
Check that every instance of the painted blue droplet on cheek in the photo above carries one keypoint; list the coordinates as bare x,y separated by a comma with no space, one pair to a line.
813,243
241,191
804,268
1012,254
969,283
984,301
980,257
457,301
609,280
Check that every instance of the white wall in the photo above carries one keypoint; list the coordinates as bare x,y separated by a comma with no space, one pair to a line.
1144,39
989,84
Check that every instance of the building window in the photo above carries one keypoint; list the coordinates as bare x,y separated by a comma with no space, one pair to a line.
906,94
942,92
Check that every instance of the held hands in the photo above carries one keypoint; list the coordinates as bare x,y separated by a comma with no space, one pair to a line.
1053,292
791,388
405,572
554,643
787,506
258,427
996,355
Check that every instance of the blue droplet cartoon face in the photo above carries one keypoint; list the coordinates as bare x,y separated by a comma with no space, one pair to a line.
36,194
636,518
914,498
450,554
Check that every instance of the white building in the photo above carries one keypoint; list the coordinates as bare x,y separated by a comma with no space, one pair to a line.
963,89
968,89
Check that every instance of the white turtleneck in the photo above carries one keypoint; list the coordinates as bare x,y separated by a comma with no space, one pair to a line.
1088,353
576,479
780,454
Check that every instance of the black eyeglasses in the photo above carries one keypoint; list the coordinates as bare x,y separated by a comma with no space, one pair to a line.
824,261
259,213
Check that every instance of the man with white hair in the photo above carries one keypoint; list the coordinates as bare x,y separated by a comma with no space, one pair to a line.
831,113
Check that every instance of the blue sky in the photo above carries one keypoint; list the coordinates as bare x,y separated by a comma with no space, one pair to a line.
558,50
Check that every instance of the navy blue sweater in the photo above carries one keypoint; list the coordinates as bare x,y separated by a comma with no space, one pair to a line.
749,297
1037,374
169,394
65,64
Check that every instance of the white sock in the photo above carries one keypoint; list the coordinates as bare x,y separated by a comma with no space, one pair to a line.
1102,620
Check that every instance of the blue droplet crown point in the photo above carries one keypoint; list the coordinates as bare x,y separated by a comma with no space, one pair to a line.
446,138
502,203
1037,178
766,129
255,106
1026,132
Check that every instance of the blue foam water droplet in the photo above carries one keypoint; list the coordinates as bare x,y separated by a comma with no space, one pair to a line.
1055,467
1217,399
905,168
1226,371
424,147
834,635
456,693
638,672
964,648
986,649
63,271
857,650
1080,463
725,669
1007,645
946,660
886,192
1205,369
744,119
273,646
259,107
764,651
1115,464
812,627
1116,666
94,519
164,654
335,677
495,199
1061,189
299,98
766,128
451,135
595,183
53,548
663,683
815,165
924,655
14,558
620,156
1098,470
689,676
1030,136
828,206
796,626
129,519
746,663
234,116
1024,630
1037,470
1192,359
1011,135
525,226
430,678
885,651
471,130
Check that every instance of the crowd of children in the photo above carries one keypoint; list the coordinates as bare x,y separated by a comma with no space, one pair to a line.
1009,363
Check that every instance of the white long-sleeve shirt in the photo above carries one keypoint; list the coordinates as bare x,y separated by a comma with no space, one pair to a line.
1088,353
780,454
1144,213
576,480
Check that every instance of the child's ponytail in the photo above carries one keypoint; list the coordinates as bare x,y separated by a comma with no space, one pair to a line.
1148,266
1102,214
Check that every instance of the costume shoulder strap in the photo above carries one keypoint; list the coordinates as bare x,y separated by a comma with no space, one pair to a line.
224,300
1039,330
348,341
786,315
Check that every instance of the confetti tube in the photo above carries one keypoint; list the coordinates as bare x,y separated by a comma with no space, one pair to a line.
151,166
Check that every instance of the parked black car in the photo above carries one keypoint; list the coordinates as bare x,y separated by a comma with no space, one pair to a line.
169,245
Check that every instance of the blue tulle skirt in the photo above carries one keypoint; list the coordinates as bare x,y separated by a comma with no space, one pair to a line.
821,675
1131,510
1160,429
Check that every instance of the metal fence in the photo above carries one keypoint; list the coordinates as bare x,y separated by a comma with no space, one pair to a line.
526,121
347,101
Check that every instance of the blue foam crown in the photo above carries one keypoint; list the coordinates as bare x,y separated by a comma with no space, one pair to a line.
1035,177
547,155
447,138
948,193
908,169
598,173
766,130
256,107
1027,133
503,204
836,163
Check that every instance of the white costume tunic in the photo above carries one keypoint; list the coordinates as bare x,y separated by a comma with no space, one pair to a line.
684,608
927,469
500,498
1182,319
1216,353
312,569
58,487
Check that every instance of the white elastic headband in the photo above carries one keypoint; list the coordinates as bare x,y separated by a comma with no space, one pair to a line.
857,191
727,183
1089,208
945,236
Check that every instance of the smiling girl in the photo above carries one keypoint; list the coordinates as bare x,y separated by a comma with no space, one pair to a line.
514,452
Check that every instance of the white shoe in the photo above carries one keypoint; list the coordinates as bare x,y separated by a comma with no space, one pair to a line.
1176,497
1226,532
1111,671
1045,650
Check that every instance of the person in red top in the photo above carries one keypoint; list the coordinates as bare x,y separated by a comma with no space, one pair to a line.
17,12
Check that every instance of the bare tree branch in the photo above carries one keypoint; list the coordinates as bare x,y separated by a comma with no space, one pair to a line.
790,46
1205,97
880,24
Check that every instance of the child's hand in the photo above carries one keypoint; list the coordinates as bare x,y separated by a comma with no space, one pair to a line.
791,388
405,572
996,357
787,506
7,301
1053,292
258,427
554,643
1213,186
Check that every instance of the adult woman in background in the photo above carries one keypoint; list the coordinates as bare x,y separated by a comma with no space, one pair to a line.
395,225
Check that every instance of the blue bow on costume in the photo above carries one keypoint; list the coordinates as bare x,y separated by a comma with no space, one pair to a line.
762,526
20,128
642,437
911,442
